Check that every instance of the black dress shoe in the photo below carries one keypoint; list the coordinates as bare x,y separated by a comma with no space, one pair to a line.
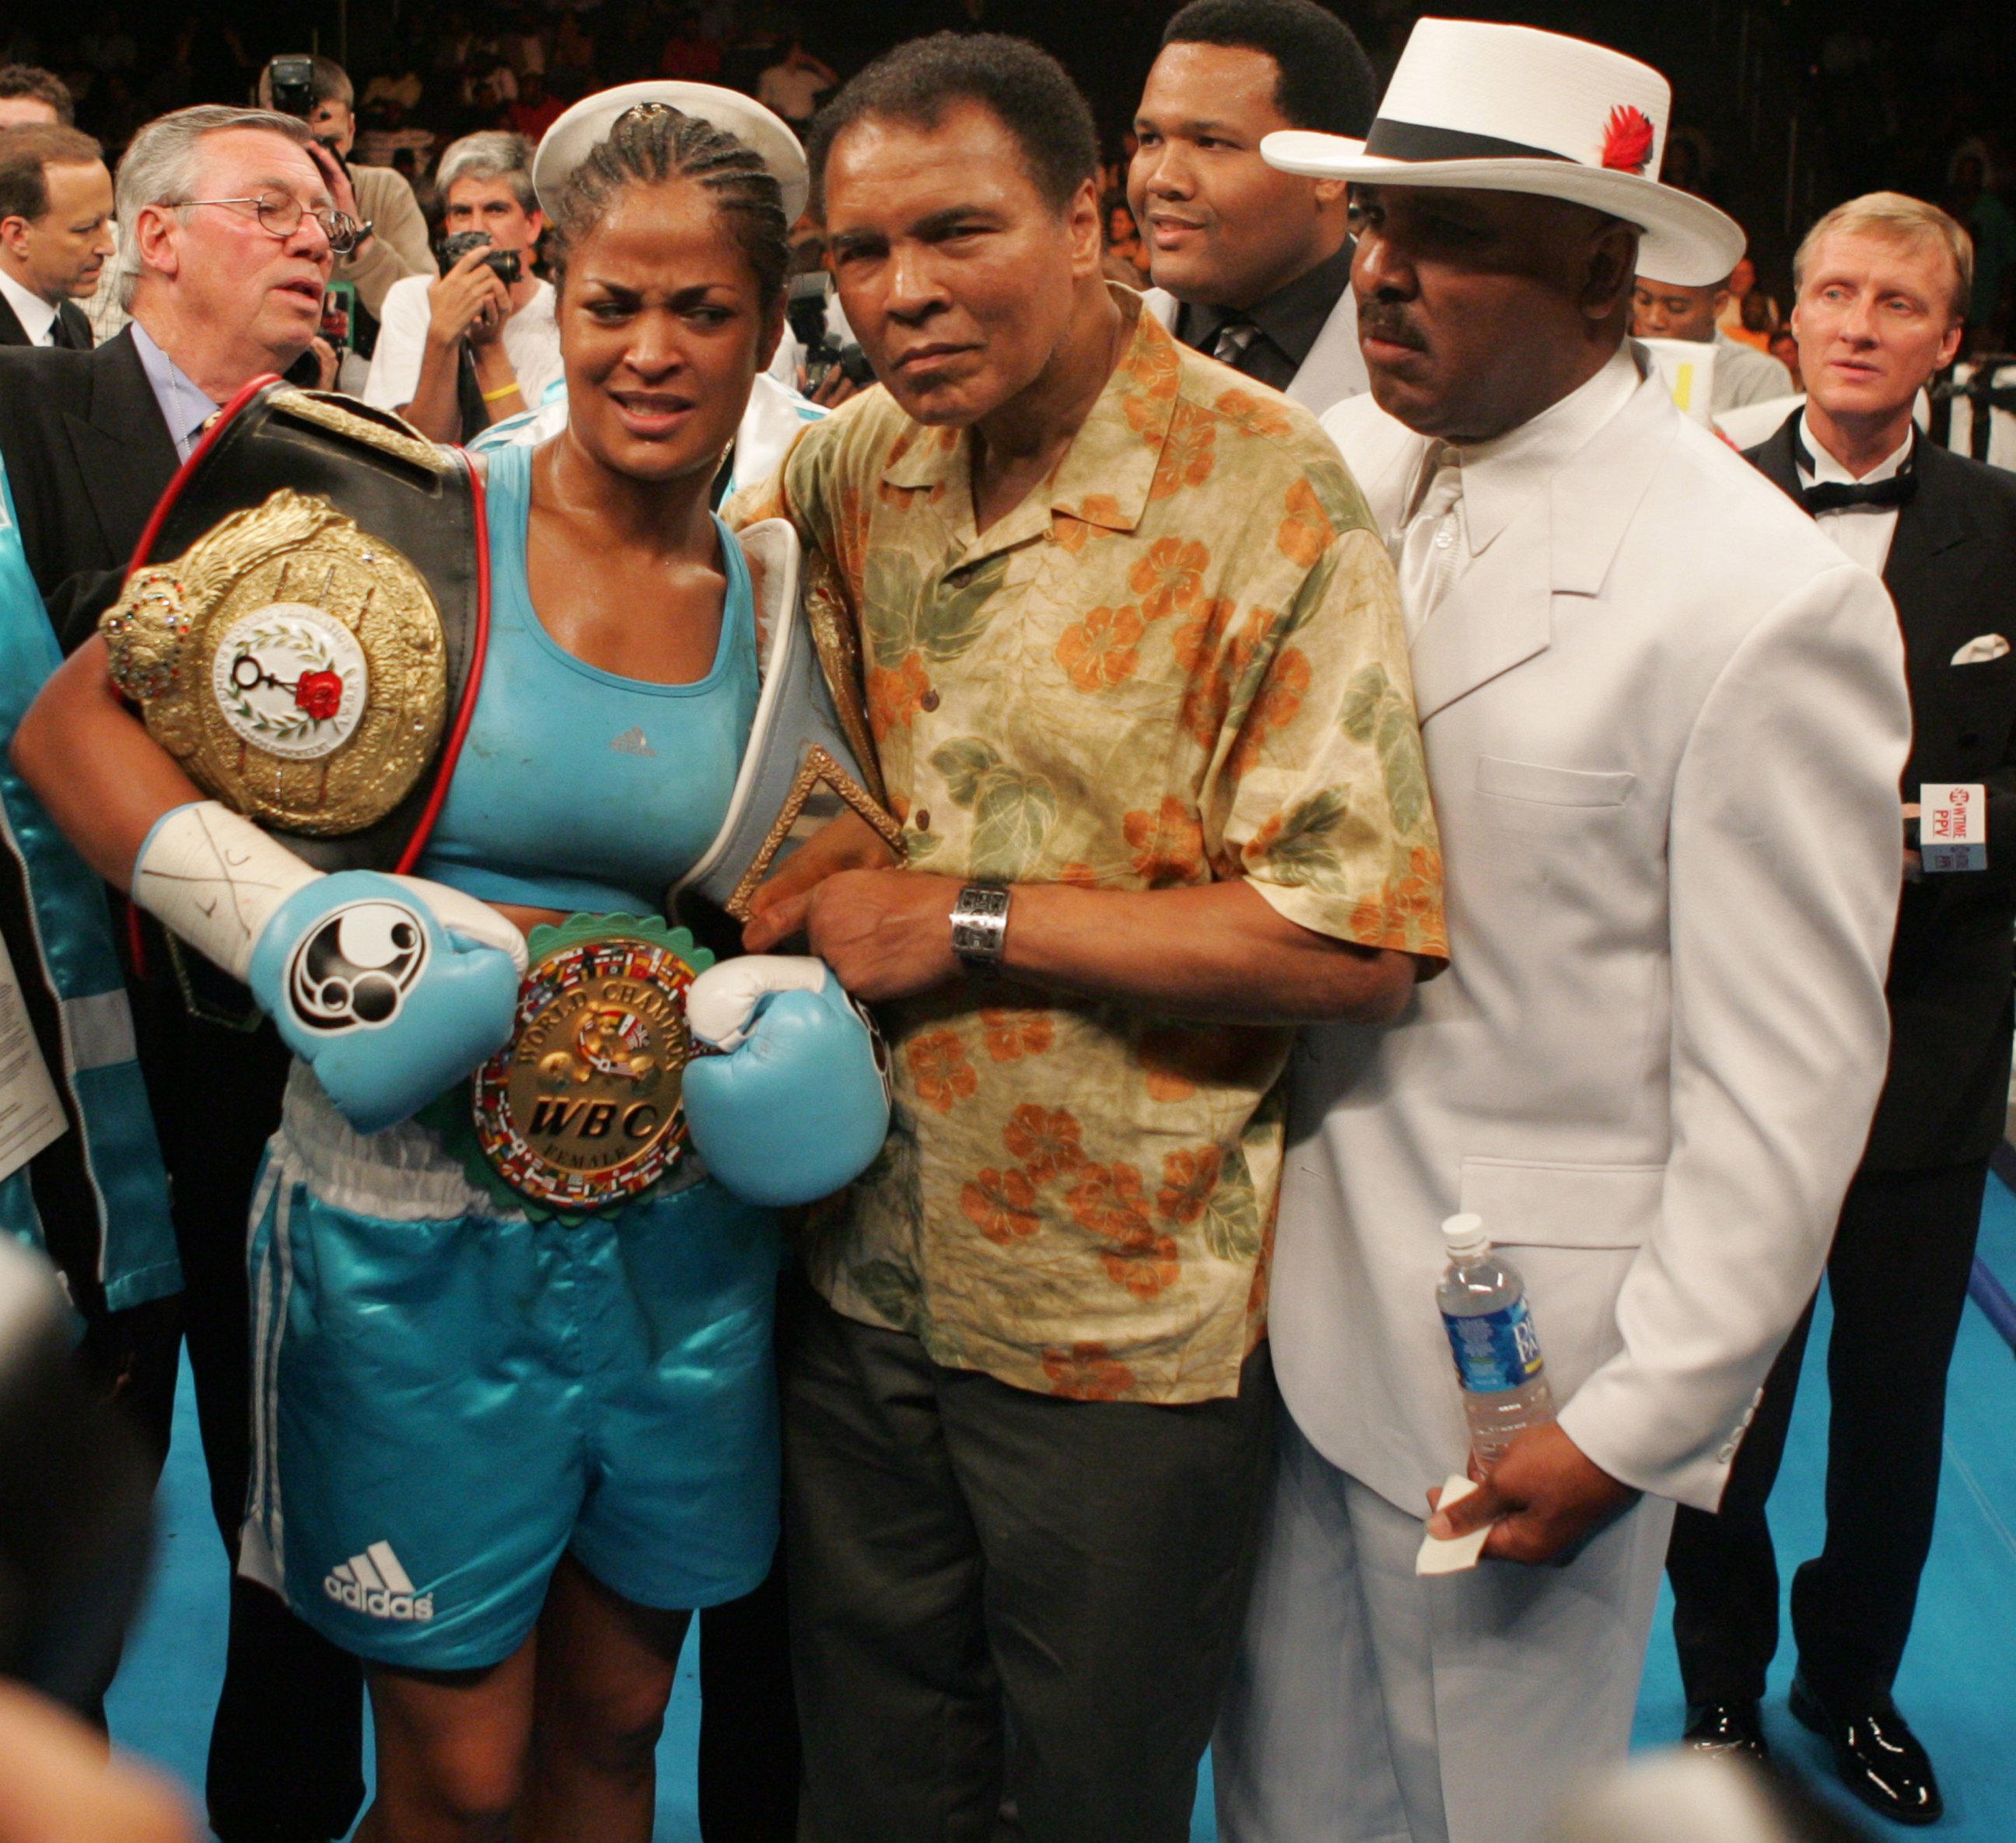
1726,1728
1879,1758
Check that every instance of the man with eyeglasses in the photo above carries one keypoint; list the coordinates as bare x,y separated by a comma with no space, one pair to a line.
229,238
229,235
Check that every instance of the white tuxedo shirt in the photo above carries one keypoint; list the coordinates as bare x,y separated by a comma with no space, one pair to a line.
1663,720
1335,368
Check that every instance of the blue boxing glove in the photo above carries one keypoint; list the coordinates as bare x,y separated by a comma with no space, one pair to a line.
389,988
796,1104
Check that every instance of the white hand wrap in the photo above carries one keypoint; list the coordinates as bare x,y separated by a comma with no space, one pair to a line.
722,1000
214,880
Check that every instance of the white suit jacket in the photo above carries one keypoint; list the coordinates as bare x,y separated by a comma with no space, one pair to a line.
1334,369
1664,720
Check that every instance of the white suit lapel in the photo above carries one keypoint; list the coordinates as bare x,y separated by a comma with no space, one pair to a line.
1500,612
1335,368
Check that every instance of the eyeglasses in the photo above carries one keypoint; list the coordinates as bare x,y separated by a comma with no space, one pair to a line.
280,214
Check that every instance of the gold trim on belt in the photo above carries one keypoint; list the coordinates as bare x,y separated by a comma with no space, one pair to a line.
582,1109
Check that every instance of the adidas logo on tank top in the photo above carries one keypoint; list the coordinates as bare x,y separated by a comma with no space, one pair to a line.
374,1583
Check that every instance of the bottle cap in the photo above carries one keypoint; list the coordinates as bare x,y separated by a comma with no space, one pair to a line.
1464,1234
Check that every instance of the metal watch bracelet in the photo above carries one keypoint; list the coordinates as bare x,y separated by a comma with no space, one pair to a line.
980,925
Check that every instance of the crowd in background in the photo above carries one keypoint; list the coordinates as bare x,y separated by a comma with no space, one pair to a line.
1877,102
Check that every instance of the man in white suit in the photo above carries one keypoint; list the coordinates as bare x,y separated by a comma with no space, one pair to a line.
1252,265
1664,727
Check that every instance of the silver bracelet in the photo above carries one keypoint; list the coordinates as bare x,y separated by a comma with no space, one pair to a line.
980,925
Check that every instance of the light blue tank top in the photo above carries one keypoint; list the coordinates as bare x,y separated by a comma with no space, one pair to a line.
577,789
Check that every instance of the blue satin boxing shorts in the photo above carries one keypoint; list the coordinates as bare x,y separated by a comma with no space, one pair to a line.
449,1396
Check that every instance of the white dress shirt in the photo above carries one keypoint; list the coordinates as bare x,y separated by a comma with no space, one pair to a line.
1863,531
531,341
1496,478
38,318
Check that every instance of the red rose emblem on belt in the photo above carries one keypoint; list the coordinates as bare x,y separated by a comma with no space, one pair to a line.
319,694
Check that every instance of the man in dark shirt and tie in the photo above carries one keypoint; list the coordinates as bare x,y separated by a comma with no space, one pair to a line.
1249,263
55,234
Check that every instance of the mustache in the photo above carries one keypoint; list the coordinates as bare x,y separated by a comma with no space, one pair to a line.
1389,320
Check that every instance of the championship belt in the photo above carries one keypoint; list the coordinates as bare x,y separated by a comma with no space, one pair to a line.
304,624
580,1112
810,755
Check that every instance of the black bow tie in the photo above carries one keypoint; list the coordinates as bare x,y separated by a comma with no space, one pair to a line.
1831,495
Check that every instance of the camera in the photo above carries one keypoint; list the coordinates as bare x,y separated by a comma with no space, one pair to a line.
293,81
504,264
806,310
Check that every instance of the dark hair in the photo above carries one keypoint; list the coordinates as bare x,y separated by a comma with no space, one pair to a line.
45,86
1325,80
654,142
24,187
1024,88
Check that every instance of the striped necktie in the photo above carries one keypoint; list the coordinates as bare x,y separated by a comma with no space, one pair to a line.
1233,337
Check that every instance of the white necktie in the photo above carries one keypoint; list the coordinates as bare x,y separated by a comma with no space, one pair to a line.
1428,546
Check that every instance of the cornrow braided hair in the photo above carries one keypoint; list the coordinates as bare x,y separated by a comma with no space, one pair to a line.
654,142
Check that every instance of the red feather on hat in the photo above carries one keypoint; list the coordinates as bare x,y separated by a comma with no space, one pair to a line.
1627,141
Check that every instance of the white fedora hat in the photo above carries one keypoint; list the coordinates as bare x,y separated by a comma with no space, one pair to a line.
1509,109
588,123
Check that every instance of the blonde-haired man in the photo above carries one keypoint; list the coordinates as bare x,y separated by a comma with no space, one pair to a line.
1882,286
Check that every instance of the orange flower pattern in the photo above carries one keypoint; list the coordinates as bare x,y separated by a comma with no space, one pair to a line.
1085,1373
1276,706
1168,845
938,1067
1046,1139
1170,577
1013,1034
1189,1179
1099,653
1179,661
1002,1205
1407,908
1306,533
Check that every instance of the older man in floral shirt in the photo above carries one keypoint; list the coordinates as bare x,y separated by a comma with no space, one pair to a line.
1135,666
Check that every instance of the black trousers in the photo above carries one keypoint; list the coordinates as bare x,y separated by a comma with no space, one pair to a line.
1898,1276
286,1742
1012,1616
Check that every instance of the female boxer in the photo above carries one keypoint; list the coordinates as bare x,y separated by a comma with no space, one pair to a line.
500,1455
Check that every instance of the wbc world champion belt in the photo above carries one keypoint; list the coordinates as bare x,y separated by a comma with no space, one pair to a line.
582,1110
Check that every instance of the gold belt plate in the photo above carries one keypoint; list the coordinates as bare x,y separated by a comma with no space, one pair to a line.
294,664
582,1109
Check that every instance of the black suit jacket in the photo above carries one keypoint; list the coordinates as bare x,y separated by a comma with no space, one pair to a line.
87,455
14,334
1951,573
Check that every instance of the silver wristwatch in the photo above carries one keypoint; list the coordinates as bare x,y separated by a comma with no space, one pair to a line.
980,925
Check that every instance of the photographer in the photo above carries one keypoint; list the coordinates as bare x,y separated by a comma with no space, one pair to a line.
478,345
395,245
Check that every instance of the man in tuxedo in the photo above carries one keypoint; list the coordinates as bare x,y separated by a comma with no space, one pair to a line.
1251,264
1882,284
230,236
55,234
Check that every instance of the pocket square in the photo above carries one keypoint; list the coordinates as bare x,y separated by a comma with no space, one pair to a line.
1980,648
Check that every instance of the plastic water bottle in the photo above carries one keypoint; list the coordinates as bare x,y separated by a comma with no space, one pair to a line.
1491,1334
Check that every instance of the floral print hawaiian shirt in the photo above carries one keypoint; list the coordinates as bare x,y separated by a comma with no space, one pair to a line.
1182,660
